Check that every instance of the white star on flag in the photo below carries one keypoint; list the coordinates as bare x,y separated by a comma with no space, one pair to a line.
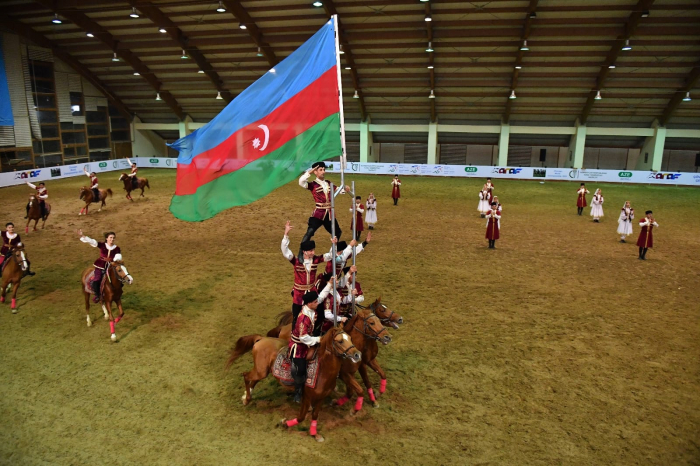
256,143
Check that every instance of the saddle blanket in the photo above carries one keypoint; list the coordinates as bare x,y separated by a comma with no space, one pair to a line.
283,369
87,283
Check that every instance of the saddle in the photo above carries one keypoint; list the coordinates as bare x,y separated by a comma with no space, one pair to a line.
4,260
282,369
88,280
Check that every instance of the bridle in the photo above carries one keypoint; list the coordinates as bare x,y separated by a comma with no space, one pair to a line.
118,267
373,306
338,351
20,258
375,336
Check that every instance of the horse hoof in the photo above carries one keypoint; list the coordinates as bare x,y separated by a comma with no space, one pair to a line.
14,310
375,405
26,230
319,438
89,322
2,299
99,210
114,337
282,424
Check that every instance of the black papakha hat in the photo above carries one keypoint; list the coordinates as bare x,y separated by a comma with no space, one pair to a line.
308,245
319,165
341,246
494,203
649,212
310,297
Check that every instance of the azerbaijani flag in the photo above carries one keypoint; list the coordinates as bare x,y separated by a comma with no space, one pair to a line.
267,136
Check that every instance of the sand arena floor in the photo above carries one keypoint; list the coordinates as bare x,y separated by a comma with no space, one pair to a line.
559,347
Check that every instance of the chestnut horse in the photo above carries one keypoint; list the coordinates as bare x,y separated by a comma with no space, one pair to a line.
141,183
15,266
35,213
87,195
386,316
334,347
112,292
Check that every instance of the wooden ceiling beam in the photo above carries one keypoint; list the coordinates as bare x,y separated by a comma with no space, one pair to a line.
615,50
175,33
330,9
28,33
253,30
674,103
88,25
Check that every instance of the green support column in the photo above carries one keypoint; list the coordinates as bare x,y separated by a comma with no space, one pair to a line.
653,150
432,144
183,126
577,147
503,141
366,141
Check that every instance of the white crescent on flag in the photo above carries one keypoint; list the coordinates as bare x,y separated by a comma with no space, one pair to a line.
267,136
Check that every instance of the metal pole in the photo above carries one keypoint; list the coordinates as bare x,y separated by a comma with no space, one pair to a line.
334,253
354,235
343,156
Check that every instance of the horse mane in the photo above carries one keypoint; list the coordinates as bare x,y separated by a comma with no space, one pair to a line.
284,318
327,340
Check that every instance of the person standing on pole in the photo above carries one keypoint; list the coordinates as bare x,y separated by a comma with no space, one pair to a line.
321,191
359,225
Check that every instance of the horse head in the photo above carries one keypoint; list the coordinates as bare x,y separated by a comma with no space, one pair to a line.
122,274
371,326
386,315
20,256
32,198
83,192
123,176
341,345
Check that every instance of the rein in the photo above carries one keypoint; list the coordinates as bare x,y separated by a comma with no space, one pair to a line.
381,319
376,335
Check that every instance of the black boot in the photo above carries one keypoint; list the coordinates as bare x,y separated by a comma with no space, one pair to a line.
299,376
644,254
307,236
96,289
27,212
640,253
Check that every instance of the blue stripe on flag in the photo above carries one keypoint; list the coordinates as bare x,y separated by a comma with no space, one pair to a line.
6,118
304,66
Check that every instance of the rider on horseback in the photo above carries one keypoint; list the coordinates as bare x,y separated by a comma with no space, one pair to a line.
93,185
132,175
42,194
11,239
108,252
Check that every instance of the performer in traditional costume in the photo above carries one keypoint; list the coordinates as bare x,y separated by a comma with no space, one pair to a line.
11,239
132,175
109,252
484,201
302,337
359,224
42,194
597,205
396,189
493,232
93,184
320,189
489,185
371,217
581,200
646,237
624,227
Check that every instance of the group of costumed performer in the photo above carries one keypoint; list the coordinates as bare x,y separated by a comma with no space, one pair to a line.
309,307
485,198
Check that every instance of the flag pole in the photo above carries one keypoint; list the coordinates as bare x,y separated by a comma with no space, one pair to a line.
334,253
354,253
343,156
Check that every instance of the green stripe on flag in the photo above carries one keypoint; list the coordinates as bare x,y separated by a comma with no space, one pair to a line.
261,177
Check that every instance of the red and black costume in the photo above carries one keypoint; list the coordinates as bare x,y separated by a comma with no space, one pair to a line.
132,175
646,236
42,195
359,223
493,230
107,255
581,200
8,242
93,185
321,216
396,189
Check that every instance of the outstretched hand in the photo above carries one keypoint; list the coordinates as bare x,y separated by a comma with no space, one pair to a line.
287,228
80,232
353,243
334,240
369,236
353,269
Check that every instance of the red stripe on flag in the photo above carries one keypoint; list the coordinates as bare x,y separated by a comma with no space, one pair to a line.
315,103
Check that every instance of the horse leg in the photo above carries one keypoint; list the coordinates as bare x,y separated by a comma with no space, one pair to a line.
101,206
351,386
35,223
4,291
250,382
375,367
368,384
305,404
15,287
121,312
87,307
142,188
108,303
314,422
26,228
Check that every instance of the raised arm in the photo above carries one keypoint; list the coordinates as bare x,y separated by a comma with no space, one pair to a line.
329,255
304,178
86,172
31,185
285,242
87,239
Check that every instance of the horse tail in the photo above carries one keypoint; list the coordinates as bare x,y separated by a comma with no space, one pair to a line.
275,332
284,318
243,345
109,191
148,185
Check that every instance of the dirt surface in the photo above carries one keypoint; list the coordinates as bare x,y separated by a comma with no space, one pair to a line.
558,347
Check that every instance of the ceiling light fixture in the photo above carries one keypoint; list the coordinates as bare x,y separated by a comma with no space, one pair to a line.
430,67
200,71
242,26
317,4
221,8
598,96
524,47
430,47
259,54
518,67
133,13
428,18
687,97
218,96
512,95
645,14
356,96
114,57
136,73
272,70
184,55
162,30
158,96
90,34
56,19
348,67
432,94
341,51
612,66
533,15
627,46
424,1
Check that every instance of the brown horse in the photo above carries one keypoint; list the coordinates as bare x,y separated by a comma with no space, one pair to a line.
87,195
334,347
141,183
117,275
15,266
35,213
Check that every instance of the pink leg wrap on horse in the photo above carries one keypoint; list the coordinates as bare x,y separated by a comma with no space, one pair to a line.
382,386
292,422
14,303
111,326
116,320
358,404
312,430
371,395
342,400
2,299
